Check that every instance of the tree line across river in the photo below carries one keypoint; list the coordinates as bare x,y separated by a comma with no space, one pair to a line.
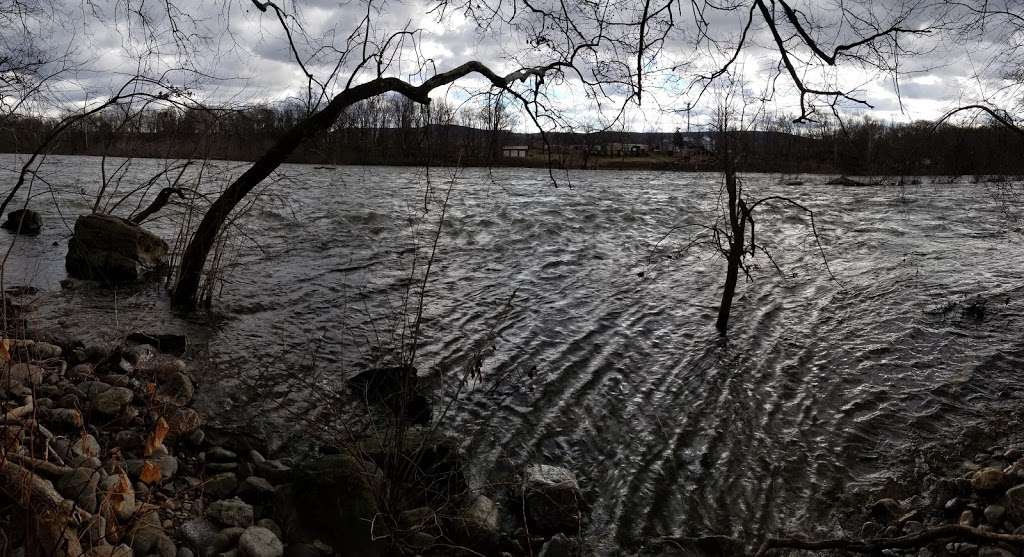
393,130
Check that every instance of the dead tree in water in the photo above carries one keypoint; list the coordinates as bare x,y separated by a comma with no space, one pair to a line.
733,235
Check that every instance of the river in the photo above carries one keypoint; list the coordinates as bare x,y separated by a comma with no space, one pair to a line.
593,331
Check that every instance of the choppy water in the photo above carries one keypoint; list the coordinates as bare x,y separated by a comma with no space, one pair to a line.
620,377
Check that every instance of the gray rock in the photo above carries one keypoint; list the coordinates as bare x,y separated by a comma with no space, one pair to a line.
148,539
231,512
220,454
256,490
259,542
79,485
232,533
221,467
113,250
93,388
24,221
201,534
1015,504
86,445
989,551
273,470
185,552
270,525
113,401
994,514
117,495
482,512
552,500
221,485
20,375
45,351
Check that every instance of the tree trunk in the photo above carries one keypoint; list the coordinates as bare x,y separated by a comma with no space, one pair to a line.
731,276
194,259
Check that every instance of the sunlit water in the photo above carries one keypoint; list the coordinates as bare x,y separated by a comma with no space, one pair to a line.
605,360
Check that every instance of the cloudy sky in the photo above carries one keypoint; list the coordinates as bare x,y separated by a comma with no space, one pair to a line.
235,53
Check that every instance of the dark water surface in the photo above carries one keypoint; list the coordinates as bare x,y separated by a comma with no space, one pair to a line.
619,377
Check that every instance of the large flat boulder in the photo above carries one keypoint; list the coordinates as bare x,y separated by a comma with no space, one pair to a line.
113,250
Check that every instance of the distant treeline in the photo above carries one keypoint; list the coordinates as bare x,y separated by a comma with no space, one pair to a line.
394,130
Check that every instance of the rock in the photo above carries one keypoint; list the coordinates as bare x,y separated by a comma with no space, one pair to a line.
270,525
231,512
483,512
336,498
201,534
967,518
148,539
20,375
961,548
68,418
185,552
273,470
139,354
259,542
113,250
93,388
218,467
994,514
79,485
177,389
256,490
232,534
988,480
221,485
86,445
118,496
182,422
396,387
220,454
45,351
552,500
129,440
24,221
558,546
1015,504
885,510
113,401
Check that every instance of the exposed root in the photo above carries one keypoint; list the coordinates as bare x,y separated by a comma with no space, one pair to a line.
947,532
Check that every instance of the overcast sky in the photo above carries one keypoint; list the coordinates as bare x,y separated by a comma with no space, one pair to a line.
240,54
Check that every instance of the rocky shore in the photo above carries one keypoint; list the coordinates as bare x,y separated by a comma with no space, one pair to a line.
102,455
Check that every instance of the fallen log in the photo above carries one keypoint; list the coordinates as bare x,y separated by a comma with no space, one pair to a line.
946,532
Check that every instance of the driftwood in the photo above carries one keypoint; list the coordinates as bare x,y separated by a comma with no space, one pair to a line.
47,509
947,532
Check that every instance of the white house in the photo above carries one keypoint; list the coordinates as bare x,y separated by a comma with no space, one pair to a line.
514,151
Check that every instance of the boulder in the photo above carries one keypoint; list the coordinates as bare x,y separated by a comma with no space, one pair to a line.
20,375
221,485
552,500
397,388
259,542
24,221
1015,504
113,250
336,498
